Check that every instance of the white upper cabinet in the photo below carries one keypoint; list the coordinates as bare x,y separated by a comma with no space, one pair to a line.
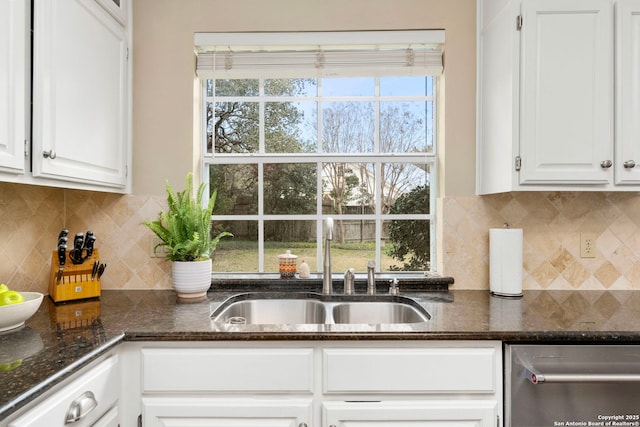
627,158
13,84
80,101
546,88
566,105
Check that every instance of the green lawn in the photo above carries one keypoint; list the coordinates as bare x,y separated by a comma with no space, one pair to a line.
239,256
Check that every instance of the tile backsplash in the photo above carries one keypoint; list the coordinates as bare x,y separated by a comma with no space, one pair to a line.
552,223
32,216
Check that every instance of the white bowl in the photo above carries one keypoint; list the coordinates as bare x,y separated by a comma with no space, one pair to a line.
14,315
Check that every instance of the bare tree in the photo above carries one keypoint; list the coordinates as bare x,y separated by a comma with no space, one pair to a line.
349,127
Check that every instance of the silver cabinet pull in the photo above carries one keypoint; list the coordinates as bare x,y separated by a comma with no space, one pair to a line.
49,154
80,407
302,425
606,164
629,164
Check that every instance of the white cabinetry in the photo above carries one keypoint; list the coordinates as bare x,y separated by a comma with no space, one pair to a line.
545,95
14,16
627,157
566,105
80,101
88,399
322,384
430,413
269,386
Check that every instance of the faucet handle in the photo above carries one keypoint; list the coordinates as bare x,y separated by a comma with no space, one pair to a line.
349,280
394,288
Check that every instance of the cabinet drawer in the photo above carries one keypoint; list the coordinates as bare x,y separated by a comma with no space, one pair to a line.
228,370
102,381
407,370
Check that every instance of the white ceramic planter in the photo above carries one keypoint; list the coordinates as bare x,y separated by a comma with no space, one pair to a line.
191,279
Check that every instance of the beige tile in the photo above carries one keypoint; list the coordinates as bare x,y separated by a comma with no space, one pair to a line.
545,274
575,274
562,260
607,274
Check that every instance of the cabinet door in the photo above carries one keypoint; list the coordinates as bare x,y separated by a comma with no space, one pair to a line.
627,164
80,104
13,89
428,413
566,134
211,412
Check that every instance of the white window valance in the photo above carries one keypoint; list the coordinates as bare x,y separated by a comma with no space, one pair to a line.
312,54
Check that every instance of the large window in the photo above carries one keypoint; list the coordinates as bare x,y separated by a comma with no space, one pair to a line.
286,151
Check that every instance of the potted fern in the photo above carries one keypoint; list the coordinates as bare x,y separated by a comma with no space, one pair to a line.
185,233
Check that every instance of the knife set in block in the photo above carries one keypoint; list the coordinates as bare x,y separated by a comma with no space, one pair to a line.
71,281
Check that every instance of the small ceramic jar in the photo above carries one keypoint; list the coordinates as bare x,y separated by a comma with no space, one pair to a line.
287,262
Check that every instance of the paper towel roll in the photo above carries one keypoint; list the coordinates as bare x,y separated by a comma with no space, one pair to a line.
505,261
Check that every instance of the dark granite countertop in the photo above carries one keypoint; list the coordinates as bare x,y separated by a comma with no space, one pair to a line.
60,339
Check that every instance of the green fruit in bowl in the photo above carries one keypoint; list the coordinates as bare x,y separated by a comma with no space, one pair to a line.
3,288
11,297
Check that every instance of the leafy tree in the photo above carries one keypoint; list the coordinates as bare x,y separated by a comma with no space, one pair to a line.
410,238
233,127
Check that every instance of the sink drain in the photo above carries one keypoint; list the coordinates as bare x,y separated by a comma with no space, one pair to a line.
237,320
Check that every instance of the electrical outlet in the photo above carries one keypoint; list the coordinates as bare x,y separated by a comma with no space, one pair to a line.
587,245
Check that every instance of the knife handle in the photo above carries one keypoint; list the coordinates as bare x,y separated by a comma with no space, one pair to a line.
87,237
62,254
94,270
101,269
89,243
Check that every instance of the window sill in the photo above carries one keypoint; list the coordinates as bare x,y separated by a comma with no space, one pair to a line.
244,282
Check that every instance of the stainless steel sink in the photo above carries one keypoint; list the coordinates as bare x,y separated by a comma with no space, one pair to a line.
263,308
273,312
377,312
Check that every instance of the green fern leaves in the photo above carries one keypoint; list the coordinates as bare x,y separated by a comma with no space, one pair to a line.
185,229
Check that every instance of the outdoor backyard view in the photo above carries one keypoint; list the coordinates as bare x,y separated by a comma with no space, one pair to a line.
284,154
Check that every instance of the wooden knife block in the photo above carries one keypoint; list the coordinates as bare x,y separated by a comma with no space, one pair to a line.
75,281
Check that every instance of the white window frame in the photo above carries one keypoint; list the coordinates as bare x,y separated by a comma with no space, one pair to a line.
206,42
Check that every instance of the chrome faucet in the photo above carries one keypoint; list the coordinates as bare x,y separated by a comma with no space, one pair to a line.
327,283
371,277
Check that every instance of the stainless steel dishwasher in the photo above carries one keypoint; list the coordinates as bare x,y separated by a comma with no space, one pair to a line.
572,385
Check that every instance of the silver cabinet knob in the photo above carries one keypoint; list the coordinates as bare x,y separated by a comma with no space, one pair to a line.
606,164
302,425
49,154
629,164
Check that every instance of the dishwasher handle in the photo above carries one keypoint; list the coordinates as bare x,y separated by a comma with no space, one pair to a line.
537,377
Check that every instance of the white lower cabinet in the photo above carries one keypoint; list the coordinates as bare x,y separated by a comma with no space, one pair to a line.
327,384
220,412
434,413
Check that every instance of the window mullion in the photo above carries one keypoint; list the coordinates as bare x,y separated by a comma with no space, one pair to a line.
260,216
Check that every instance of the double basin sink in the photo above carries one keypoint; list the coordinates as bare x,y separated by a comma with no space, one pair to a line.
264,308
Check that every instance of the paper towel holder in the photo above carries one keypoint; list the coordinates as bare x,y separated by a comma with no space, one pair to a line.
505,281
